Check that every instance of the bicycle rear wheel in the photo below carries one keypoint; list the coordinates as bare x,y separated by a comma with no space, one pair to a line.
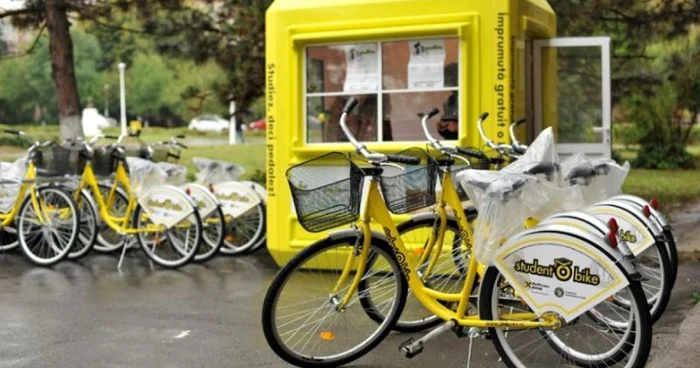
108,240
243,232
87,235
174,247
212,236
300,318
586,342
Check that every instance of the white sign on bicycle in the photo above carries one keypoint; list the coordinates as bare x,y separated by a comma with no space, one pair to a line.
556,275
235,198
165,205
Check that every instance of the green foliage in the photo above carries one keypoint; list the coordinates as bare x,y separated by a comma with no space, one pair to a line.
656,117
259,176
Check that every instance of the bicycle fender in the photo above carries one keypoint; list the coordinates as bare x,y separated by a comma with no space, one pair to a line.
587,222
638,231
641,202
357,233
561,269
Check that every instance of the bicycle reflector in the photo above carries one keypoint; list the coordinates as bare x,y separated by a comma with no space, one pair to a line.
188,191
647,211
654,204
211,188
612,235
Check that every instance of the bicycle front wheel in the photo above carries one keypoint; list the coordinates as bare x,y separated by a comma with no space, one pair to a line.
87,229
302,320
8,239
47,233
585,342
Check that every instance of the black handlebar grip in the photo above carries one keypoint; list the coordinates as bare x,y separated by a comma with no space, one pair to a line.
180,136
484,116
112,137
519,150
350,105
12,131
401,159
520,121
181,145
471,152
434,111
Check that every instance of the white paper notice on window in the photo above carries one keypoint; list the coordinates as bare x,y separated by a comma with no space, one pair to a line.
363,68
426,65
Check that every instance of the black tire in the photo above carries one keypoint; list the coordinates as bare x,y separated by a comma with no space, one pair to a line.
269,310
426,319
87,236
658,306
240,236
182,259
672,253
212,236
492,278
262,238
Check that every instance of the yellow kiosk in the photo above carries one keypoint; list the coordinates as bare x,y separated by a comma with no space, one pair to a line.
399,58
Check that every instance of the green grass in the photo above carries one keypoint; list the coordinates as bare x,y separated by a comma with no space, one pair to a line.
669,187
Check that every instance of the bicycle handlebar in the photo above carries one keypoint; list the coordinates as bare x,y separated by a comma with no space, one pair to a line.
479,125
401,159
517,147
375,158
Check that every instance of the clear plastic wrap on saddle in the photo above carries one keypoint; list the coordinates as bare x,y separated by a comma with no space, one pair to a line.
215,172
176,174
144,174
541,158
598,180
13,170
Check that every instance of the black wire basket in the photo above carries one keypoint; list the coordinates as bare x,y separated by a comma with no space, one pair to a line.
413,187
164,153
105,160
326,191
59,160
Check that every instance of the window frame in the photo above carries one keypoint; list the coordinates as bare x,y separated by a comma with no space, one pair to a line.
380,92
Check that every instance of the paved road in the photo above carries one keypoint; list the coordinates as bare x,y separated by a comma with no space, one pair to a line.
89,314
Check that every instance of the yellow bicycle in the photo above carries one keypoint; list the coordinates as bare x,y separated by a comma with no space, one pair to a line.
313,314
42,216
165,223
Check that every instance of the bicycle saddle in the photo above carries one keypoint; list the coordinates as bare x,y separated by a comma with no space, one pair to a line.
499,188
583,171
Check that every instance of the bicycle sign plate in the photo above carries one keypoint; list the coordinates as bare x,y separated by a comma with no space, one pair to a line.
555,273
166,205
235,198
203,199
631,230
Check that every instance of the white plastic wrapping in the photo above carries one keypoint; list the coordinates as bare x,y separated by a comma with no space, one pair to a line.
541,151
176,174
507,198
215,172
11,175
14,170
144,174
598,180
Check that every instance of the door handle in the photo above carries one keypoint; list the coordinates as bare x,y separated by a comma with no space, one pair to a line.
601,129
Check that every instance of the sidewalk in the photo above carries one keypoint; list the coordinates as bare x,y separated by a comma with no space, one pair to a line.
683,350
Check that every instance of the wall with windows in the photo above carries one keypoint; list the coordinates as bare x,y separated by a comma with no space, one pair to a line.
385,87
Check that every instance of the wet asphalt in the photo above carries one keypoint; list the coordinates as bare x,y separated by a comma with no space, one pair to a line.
89,314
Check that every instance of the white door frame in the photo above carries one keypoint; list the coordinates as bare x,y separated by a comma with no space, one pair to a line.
594,149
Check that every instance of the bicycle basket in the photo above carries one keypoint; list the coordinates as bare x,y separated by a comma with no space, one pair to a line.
164,153
412,188
56,160
105,160
326,191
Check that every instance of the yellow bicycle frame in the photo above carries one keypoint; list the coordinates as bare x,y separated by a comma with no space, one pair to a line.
119,224
375,209
28,184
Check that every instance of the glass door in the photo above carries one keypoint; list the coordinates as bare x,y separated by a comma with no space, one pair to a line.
571,93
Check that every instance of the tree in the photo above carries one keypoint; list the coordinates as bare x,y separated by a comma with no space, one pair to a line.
228,32
54,16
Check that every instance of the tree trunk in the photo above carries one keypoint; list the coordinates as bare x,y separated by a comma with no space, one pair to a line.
63,69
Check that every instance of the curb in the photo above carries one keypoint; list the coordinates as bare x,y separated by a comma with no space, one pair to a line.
683,350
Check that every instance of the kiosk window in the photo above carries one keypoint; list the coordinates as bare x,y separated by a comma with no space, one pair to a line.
394,80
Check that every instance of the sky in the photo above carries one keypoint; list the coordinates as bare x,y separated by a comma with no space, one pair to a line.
10,4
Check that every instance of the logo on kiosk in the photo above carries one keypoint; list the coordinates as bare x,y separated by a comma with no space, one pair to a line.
563,270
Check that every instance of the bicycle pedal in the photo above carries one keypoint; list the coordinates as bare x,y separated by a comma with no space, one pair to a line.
410,348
